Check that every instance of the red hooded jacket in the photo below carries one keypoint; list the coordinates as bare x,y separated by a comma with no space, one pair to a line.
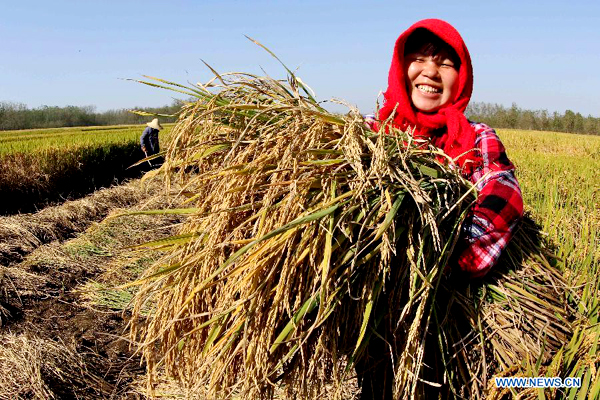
448,127
476,147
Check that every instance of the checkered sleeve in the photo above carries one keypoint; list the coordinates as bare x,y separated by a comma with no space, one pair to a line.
499,206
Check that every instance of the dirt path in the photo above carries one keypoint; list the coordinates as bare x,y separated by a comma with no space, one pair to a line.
62,323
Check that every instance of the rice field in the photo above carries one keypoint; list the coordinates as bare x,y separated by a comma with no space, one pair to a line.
41,166
561,185
39,140
558,173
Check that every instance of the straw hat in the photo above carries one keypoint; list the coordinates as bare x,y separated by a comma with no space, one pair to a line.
154,124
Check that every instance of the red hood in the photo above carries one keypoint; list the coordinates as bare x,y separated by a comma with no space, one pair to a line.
459,136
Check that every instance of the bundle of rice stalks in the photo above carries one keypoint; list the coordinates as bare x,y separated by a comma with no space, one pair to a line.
520,321
302,220
309,236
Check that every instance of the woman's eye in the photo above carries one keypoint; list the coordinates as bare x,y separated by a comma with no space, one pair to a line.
414,57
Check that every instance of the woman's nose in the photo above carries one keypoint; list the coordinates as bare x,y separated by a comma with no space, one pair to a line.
431,69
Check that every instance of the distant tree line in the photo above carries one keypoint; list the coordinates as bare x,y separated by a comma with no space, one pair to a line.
19,116
498,116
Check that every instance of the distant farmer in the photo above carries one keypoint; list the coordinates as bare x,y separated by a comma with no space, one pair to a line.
149,138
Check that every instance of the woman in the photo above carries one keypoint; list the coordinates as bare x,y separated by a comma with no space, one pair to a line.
429,86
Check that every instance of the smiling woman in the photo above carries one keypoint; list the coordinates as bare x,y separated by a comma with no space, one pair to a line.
430,84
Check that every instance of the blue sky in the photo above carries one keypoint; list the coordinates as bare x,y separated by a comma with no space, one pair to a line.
538,54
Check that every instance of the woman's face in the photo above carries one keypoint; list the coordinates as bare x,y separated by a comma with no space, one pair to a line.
432,81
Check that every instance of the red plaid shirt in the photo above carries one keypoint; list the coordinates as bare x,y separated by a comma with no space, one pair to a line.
499,206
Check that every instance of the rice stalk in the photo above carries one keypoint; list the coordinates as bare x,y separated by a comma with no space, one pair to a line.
37,368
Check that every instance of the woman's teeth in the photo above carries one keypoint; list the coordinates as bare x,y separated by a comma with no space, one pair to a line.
428,89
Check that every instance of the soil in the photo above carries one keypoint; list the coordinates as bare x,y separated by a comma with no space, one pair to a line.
42,297
95,335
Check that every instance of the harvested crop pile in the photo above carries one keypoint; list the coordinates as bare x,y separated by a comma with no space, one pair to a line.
59,337
310,235
23,233
48,270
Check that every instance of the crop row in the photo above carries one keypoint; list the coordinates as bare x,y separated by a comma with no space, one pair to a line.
558,173
28,141
44,166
